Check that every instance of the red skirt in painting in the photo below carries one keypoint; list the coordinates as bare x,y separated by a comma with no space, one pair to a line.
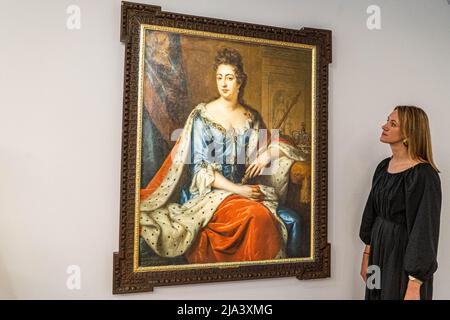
240,230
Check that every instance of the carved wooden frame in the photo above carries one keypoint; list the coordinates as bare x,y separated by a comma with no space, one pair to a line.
125,279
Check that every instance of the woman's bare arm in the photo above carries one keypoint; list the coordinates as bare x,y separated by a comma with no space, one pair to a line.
220,182
256,167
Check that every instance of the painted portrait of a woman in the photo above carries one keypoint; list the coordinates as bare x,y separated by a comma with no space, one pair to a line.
219,195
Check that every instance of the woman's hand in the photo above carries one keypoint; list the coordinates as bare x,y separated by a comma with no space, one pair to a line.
413,291
364,266
257,166
365,263
250,192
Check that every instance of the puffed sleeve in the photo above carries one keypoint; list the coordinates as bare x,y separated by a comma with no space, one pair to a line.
423,210
369,213
202,165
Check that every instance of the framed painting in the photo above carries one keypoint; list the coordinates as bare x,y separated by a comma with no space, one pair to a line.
224,151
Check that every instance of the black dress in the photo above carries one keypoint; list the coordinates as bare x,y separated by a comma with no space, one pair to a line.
401,224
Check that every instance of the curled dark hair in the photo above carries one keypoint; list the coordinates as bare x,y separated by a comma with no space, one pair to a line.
233,58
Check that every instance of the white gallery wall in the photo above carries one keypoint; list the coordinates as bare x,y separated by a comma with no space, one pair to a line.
60,135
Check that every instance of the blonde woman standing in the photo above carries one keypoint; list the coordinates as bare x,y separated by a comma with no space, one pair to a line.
400,223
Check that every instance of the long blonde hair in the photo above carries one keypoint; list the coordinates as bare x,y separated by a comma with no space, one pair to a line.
416,130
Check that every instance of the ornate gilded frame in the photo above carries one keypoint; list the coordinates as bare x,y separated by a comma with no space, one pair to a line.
127,275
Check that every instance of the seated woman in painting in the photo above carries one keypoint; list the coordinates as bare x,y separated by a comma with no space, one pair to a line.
210,200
